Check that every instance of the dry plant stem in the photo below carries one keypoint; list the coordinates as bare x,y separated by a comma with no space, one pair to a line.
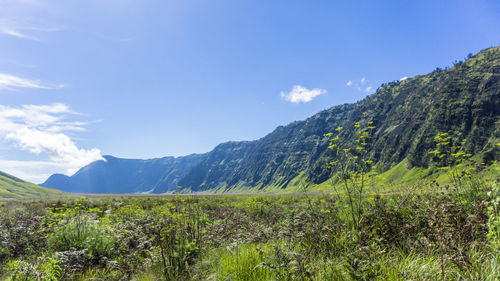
409,196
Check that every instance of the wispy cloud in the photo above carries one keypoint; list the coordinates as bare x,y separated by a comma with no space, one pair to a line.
300,94
24,30
11,82
42,129
403,78
362,85
15,33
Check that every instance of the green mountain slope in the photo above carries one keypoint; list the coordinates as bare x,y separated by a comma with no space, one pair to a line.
463,100
12,187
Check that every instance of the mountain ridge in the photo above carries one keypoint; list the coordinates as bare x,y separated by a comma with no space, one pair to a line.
463,100
121,175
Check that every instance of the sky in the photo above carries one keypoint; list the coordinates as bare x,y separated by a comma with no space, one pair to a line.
146,79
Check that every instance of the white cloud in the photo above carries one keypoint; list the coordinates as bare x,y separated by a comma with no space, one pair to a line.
23,29
15,33
11,28
32,171
11,82
41,129
300,94
362,85
403,78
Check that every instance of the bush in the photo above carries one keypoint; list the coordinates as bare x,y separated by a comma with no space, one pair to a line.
45,269
20,232
83,233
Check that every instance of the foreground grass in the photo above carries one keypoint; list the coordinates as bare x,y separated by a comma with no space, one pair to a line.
450,233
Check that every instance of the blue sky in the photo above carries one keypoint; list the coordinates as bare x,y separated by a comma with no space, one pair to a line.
143,79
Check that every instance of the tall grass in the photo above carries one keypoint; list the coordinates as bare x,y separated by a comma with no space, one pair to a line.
412,235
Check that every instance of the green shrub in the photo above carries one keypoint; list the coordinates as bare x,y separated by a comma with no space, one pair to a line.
44,269
81,233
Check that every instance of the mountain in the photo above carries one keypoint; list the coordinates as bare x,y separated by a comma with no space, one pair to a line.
12,187
463,100
118,175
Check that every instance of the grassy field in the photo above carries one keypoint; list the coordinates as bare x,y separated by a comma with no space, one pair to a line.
428,231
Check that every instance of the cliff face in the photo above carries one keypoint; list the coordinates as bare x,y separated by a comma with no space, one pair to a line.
463,100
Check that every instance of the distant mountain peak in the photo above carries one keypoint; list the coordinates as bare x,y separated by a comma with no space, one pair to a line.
120,175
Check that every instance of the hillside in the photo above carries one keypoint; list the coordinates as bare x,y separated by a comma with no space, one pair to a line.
118,175
463,100
12,187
